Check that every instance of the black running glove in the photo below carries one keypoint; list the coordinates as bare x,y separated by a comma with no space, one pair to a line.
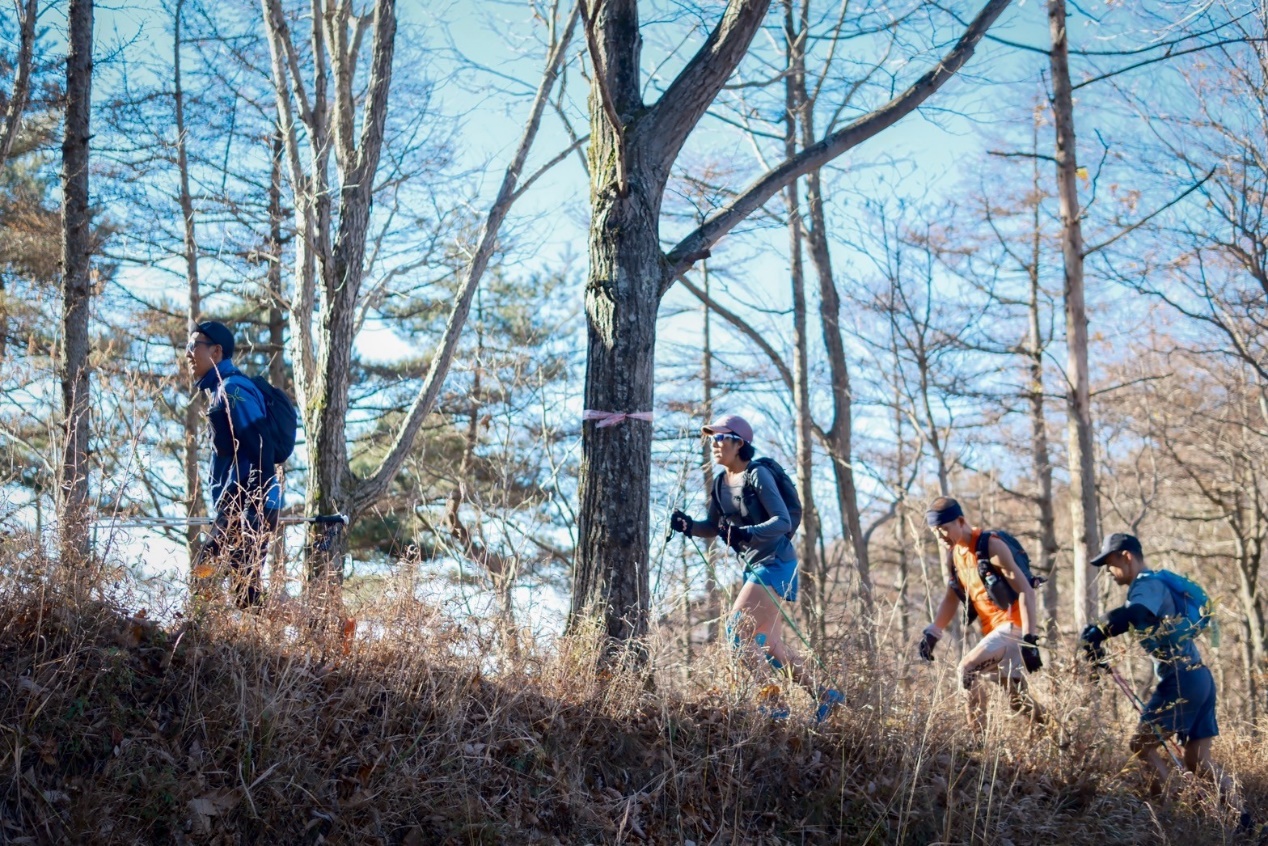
927,642
735,535
1030,653
680,522
1092,640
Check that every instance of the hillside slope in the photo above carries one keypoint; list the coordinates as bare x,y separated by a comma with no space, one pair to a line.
116,730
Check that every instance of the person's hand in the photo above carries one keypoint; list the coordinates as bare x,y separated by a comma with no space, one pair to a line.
1030,653
681,523
1093,642
735,534
927,642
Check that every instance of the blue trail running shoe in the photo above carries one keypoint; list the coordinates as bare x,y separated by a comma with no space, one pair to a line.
828,701
776,713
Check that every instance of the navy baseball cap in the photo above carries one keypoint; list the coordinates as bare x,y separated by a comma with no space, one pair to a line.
1117,542
219,334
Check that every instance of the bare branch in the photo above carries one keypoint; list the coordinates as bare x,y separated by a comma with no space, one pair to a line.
377,483
833,145
21,80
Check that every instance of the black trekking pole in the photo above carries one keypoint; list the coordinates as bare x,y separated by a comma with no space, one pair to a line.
1140,709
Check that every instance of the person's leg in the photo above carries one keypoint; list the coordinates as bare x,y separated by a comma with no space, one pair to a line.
753,615
783,653
983,659
1146,745
1012,677
261,526
1022,702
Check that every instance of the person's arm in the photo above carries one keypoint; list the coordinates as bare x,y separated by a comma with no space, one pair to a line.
1002,560
777,521
708,527
946,611
246,409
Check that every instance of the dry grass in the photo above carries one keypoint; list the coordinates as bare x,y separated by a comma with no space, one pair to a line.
235,730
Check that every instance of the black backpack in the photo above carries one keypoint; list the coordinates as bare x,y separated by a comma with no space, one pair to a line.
752,505
280,425
997,587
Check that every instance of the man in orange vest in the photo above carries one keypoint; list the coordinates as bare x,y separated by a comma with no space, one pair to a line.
1009,644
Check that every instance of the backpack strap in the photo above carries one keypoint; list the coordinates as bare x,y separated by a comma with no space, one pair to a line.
983,553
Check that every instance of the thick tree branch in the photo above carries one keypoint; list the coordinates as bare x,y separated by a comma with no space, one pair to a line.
668,123
377,483
848,137
21,80
605,93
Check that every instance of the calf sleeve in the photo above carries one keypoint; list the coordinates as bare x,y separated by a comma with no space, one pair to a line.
760,640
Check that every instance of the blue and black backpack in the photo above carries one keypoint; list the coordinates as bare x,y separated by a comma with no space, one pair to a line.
1193,613
280,426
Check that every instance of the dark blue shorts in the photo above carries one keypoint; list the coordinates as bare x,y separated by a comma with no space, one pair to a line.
779,576
1184,703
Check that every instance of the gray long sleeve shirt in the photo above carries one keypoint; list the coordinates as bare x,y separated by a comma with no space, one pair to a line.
761,508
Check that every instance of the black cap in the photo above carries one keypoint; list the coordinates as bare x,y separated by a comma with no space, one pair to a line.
1117,542
217,333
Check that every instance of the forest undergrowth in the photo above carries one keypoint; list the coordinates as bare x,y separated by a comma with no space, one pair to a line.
232,729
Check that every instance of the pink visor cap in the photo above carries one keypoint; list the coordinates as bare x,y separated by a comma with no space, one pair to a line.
732,424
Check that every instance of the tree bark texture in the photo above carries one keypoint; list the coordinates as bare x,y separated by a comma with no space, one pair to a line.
1041,459
1083,505
72,515
712,593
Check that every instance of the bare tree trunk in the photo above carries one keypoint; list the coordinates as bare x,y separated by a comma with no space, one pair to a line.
72,517
1083,506
1040,459
277,326
808,545
194,505
839,437
322,358
712,592
21,89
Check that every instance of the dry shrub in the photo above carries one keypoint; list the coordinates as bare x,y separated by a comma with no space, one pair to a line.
233,729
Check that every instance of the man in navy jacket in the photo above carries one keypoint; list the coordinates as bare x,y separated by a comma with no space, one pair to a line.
244,486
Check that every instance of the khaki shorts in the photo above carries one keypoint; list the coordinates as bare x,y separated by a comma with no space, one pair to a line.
997,654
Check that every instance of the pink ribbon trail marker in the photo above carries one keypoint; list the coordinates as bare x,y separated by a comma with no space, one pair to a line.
604,419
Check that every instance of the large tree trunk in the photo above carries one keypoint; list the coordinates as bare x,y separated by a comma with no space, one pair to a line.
1083,507
633,148
72,515
626,268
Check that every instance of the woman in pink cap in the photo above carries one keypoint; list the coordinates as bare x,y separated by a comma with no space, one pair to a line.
756,516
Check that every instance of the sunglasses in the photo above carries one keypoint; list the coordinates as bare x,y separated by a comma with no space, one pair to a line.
190,346
720,437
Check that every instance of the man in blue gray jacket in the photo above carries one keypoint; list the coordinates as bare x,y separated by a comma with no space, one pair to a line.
244,487
1183,703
